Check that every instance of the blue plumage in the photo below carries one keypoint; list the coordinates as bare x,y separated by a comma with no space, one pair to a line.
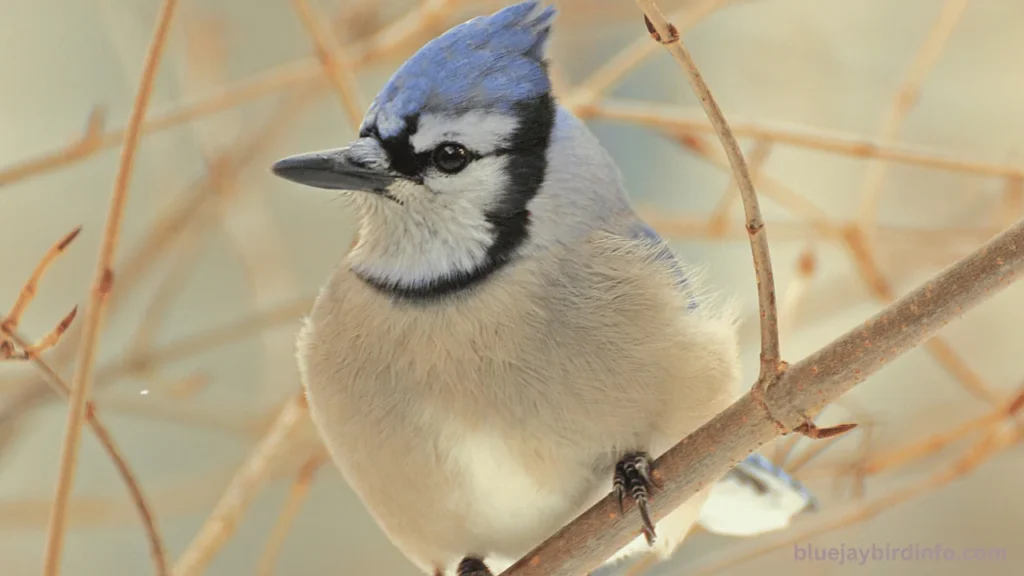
467,166
643,231
757,461
487,63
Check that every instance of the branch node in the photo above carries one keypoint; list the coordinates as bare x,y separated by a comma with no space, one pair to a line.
672,31
757,393
811,431
107,282
754,226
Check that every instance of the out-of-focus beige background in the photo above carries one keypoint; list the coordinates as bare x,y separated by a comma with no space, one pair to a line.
260,243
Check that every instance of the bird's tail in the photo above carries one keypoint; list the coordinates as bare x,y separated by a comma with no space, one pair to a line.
753,498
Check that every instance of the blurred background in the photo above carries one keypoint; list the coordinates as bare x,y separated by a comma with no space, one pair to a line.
885,138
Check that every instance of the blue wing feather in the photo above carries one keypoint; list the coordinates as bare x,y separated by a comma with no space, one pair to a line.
643,231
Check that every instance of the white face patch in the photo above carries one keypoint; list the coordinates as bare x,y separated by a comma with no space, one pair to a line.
440,228
481,132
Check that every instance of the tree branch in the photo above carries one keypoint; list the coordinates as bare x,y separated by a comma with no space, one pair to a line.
665,32
796,393
244,487
804,388
102,283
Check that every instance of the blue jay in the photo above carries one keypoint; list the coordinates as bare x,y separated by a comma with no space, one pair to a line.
506,342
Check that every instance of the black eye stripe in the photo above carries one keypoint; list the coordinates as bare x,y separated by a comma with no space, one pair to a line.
403,157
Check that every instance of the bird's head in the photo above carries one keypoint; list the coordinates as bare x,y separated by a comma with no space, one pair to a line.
455,157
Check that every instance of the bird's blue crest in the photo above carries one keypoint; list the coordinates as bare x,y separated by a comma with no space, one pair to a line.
489,62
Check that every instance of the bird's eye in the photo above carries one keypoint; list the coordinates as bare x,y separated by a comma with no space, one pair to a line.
451,157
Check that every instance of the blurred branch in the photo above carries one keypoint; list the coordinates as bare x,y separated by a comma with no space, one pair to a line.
770,188
932,444
246,484
297,494
207,340
667,34
855,240
107,442
94,311
795,392
995,441
390,39
9,323
612,71
795,293
719,217
680,119
906,98
186,216
803,388
337,65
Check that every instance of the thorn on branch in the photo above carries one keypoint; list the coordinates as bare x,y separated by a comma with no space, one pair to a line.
810,430
9,323
672,30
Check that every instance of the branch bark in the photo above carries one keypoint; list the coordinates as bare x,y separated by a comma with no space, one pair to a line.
784,398
803,388
96,308
665,32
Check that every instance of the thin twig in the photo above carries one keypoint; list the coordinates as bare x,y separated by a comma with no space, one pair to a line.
400,34
906,98
719,218
278,78
61,388
687,119
246,484
336,63
806,266
299,489
10,322
667,34
206,340
932,444
104,278
769,187
615,69
171,284
917,240
171,226
804,388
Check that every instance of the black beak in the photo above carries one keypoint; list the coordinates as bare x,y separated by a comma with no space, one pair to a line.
335,170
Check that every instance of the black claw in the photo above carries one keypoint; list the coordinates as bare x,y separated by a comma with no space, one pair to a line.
633,472
472,566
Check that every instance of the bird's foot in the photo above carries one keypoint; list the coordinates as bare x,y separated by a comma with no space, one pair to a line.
633,477
471,566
